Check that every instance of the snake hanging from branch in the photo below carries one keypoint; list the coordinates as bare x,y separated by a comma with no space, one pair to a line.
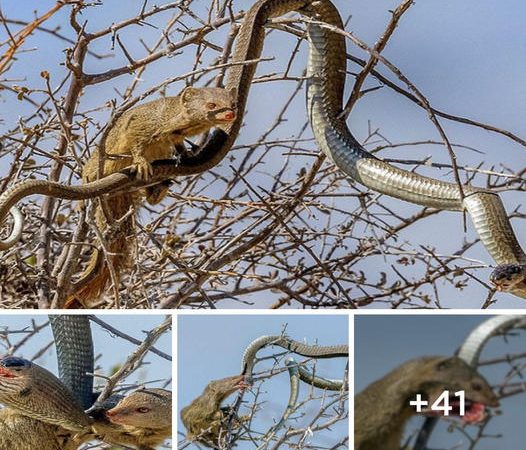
296,371
325,87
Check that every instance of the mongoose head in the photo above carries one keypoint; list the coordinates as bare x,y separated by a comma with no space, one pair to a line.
221,389
438,374
216,106
15,375
151,408
507,276
14,367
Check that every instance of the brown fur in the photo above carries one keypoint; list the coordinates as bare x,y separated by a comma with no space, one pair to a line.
141,135
382,408
204,418
20,432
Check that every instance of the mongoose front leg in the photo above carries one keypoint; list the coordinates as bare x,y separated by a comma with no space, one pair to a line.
140,164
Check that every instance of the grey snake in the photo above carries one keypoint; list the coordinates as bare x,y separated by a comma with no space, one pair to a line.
296,371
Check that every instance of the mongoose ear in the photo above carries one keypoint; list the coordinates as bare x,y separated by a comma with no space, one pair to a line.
446,363
189,93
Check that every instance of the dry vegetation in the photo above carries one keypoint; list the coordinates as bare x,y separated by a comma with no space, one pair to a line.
274,225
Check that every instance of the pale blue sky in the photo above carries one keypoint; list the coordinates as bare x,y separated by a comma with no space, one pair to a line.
466,56
384,342
211,347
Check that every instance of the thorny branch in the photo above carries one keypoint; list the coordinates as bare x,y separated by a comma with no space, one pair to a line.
273,226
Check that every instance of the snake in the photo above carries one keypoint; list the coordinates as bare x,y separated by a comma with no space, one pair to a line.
326,73
470,351
312,351
75,355
38,394
296,371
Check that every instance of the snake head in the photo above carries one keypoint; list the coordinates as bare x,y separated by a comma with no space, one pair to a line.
12,366
506,276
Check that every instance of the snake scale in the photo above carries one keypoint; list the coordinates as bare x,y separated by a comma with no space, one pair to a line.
326,71
75,357
470,351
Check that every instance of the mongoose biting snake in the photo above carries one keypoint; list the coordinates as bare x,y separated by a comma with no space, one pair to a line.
470,351
207,422
38,394
325,88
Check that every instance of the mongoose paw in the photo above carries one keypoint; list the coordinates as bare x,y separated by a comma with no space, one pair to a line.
142,168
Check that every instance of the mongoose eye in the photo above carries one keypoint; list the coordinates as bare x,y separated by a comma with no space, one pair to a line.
211,105
476,386
143,409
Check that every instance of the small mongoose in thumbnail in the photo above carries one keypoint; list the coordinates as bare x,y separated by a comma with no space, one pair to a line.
205,419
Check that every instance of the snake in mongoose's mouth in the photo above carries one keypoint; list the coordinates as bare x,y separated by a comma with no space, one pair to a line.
325,87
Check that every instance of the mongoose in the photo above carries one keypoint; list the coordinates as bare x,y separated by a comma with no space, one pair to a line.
36,392
382,408
204,418
36,404
142,419
143,134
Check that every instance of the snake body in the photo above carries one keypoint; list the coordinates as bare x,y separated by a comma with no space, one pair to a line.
470,351
324,103
326,81
75,358
296,371
37,393
313,351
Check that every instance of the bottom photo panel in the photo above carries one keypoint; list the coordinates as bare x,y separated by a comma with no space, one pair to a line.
263,381
449,382
94,382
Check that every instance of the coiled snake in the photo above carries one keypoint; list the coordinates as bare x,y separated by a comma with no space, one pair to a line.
325,87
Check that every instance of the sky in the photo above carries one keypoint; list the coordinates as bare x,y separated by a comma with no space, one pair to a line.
211,347
383,342
465,56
